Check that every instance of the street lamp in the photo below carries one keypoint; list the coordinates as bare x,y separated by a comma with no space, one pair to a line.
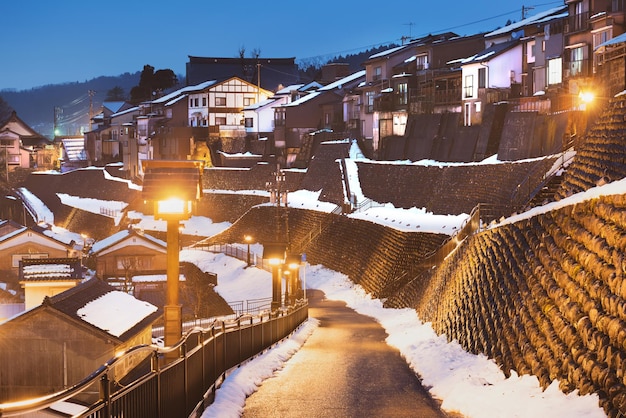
248,240
173,187
274,253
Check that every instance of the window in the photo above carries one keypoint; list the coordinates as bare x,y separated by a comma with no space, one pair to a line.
190,102
220,101
204,101
378,73
195,102
601,37
530,52
469,86
422,62
279,117
402,92
247,101
220,120
576,61
555,70
369,100
16,258
6,142
249,123
482,78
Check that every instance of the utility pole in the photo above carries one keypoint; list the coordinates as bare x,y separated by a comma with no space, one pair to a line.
91,94
526,9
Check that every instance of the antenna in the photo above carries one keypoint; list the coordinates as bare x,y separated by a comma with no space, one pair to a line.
410,25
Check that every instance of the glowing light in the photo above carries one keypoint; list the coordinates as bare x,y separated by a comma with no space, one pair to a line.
586,96
172,206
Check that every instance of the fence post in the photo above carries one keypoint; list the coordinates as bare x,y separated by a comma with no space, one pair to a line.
105,394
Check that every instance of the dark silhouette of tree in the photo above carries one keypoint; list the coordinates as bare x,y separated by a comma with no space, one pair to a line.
5,110
116,94
152,83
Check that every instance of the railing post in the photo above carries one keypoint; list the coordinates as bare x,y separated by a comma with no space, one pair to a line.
105,394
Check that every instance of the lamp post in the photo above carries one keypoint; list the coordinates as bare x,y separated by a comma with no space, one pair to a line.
173,186
248,240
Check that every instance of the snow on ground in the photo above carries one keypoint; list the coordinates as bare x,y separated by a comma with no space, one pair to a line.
472,385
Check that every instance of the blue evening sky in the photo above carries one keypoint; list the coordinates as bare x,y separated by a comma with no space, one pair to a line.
51,42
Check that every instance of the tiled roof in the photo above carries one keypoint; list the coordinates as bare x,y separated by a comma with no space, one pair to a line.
50,269
73,300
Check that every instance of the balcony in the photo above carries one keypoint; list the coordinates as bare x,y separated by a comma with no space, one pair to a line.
577,23
578,68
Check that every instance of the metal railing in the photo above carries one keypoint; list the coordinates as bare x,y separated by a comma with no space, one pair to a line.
185,386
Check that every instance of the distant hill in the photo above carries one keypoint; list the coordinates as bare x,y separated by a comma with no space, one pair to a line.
37,106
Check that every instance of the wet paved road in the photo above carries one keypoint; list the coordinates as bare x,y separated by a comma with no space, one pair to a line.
345,369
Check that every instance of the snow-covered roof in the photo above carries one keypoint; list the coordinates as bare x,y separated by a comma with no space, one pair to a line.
539,17
120,236
303,99
618,39
187,89
386,52
75,148
339,83
115,312
490,52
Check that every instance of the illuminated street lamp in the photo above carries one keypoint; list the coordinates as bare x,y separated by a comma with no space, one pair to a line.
248,240
173,187
274,253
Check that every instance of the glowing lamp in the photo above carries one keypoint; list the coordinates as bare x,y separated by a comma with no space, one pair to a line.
586,96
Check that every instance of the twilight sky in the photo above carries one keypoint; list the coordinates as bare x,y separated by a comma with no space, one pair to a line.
52,42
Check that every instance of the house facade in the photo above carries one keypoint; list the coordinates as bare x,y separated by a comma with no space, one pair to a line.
22,147
58,343
27,243
491,75
128,253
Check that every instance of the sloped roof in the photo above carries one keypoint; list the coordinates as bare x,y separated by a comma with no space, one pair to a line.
30,137
491,52
102,307
74,148
50,270
121,236
534,19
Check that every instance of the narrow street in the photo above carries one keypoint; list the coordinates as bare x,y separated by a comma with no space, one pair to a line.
345,369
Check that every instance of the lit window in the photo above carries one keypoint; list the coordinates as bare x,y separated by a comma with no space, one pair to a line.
220,120
249,123
555,70
220,101
247,101
469,86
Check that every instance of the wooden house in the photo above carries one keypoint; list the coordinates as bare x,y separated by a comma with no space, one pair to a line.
46,277
58,343
23,147
129,253
22,242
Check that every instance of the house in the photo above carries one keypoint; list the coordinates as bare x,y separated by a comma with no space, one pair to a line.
22,147
46,277
110,140
319,110
590,24
378,75
23,242
128,253
259,117
58,343
266,73
610,64
489,76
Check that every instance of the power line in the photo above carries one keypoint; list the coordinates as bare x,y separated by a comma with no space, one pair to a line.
424,34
